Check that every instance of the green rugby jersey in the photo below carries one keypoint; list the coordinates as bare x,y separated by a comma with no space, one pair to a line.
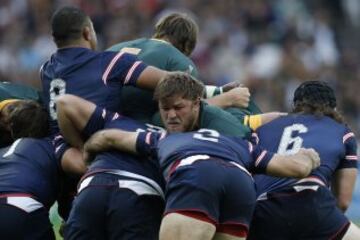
215,118
16,91
138,103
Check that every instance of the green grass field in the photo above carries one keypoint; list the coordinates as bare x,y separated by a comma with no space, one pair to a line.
56,221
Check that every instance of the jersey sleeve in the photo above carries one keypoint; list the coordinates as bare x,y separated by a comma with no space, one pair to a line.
122,67
260,157
146,143
350,159
98,120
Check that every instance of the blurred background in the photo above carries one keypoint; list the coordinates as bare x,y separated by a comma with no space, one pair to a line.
270,46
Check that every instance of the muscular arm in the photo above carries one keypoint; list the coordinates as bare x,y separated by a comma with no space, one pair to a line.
343,185
73,114
111,139
297,165
150,77
236,97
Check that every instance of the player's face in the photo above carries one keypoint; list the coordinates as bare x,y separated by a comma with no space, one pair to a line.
179,114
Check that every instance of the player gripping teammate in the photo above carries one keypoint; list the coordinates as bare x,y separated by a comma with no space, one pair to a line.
173,41
209,188
77,69
125,190
290,208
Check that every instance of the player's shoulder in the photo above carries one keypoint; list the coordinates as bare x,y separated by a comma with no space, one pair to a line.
214,112
118,46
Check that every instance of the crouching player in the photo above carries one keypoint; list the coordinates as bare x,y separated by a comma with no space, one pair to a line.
29,174
210,193
290,208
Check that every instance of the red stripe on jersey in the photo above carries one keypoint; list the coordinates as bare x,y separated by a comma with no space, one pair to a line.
258,160
116,116
110,66
147,138
251,148
103,114
233,229
351,157
194,213
131,71
347,136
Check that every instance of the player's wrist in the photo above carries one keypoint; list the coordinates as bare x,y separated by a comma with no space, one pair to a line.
211,91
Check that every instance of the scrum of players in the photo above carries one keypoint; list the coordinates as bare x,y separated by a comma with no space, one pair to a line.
132,146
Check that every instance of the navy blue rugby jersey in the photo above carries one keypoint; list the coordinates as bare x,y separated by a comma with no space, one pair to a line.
177,146
335,143
113,160
29,166
95,76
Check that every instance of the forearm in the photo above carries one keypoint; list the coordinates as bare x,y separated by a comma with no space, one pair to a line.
298,165
221,101
73,163
282,166
112,139
73,114
68,130
343,185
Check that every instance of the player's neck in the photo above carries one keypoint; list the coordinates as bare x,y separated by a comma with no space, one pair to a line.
77,44
164,40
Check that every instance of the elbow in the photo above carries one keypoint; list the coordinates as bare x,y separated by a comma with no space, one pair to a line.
62,102
343,204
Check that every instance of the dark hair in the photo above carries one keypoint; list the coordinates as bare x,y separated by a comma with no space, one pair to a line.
5,133
179,83
29,119
180,29
67,24
318,98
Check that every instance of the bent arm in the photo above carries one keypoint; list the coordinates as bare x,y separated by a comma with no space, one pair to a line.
297,165
236,97
150,77
111,139
343,184
73,114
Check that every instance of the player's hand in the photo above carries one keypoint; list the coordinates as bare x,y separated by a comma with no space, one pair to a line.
309,157
240,97
96,143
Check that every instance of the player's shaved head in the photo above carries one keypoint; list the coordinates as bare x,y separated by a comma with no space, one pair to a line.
67,25
179,29
316,97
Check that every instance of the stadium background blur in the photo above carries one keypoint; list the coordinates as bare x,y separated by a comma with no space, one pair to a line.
269,45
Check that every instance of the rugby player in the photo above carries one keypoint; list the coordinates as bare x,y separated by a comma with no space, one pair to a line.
289,208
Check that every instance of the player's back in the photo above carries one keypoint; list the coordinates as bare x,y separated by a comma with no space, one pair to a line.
139,103
16,91
332,140
114,160
29,166
179,146
158,53
94,76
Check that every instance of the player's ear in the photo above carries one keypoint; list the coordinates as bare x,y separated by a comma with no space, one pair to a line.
87,33
197,102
